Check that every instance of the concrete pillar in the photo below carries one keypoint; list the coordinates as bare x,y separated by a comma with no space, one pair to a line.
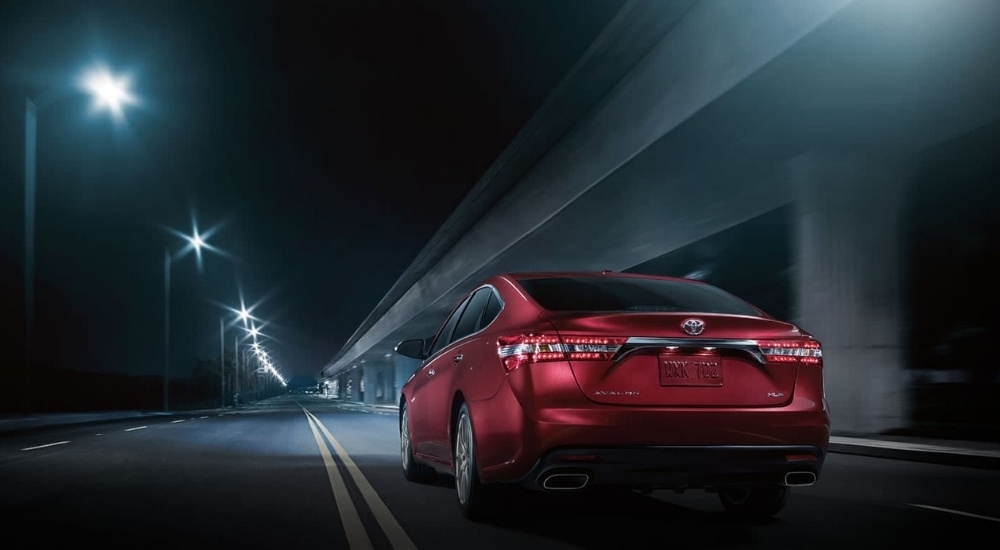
403,368
372,371
369,374
385,375
849,283
361,384
355,382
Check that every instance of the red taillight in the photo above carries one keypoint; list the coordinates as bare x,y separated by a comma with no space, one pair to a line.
792,351
522,349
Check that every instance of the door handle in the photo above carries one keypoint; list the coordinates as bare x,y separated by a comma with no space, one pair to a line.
458,357
430,372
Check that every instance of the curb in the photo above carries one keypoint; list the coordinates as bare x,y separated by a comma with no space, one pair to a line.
931,454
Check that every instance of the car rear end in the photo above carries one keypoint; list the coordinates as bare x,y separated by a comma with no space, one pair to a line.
655,383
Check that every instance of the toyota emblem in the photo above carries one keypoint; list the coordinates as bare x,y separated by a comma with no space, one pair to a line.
694,327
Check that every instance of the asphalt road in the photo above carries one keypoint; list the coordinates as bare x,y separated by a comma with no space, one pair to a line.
275,476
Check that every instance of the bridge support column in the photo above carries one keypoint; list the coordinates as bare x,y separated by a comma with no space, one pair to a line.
341,386
355,384
849,283
370,375
402,368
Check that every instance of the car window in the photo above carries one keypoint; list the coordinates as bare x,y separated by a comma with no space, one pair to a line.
632,294
444,335
493,307
470,317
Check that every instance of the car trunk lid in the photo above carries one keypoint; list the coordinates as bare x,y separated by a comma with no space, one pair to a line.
687,360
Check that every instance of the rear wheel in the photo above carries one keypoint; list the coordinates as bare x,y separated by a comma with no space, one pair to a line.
412,470
756,502
474,497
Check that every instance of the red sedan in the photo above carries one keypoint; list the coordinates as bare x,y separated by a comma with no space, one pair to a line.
568,381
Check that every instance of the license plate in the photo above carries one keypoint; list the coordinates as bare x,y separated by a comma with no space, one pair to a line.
681,369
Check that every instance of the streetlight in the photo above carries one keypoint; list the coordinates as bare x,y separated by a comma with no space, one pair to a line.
222,361
265,359
260,353
196,242
242,382
242,314
110,94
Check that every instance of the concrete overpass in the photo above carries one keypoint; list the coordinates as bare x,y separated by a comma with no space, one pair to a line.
685,119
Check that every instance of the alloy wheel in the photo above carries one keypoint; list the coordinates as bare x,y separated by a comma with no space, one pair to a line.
463,459
404,440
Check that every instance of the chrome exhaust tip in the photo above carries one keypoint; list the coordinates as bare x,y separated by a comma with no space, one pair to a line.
565,482
799,479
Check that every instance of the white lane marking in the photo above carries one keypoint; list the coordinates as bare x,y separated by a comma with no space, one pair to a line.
204,417
958,512
911,446
393,530
44,446
135,428
357,537
177,421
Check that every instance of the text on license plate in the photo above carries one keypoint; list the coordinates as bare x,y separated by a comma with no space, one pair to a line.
681,369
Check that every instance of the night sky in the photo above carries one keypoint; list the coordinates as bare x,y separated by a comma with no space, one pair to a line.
326,142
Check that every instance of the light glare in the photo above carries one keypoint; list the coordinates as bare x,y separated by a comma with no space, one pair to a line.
110,93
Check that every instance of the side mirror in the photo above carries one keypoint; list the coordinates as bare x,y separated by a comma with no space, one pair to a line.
411,348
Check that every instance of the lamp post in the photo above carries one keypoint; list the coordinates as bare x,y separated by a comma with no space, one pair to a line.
236,372
30,135
265,366
222,360
196,241
248,368
111,94
166,328
243,315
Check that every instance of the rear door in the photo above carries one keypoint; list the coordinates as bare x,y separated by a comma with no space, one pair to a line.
447,366
426,389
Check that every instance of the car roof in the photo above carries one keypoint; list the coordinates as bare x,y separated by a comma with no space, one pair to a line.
605,274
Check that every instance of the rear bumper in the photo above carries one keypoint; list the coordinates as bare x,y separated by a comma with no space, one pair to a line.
516,442
678,467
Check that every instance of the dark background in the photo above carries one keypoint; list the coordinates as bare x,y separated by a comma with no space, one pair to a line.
326,141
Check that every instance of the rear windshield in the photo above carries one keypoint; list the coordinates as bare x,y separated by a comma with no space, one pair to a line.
632,294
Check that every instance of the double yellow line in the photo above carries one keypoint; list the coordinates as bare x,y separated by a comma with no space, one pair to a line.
357,536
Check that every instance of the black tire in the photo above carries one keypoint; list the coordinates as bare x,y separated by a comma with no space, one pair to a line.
412,470
754,503
475,498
